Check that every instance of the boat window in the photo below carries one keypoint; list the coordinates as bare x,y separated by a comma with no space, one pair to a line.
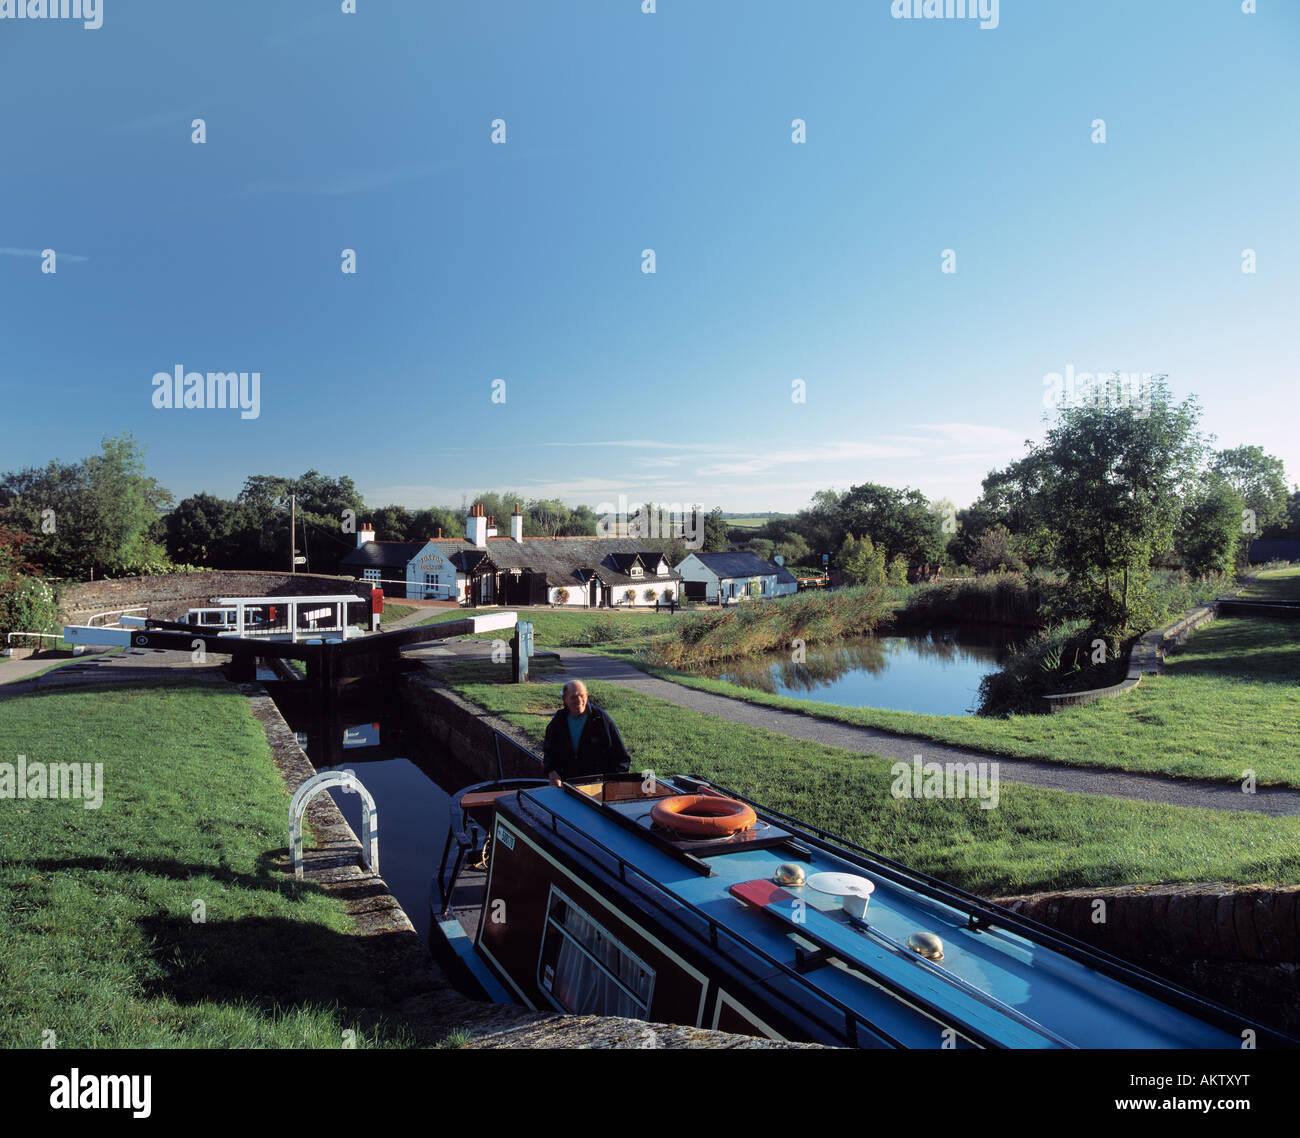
586,970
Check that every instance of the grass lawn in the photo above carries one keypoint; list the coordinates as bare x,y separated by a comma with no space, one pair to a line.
99,940
1033,840
1278,585
395,612
1229,702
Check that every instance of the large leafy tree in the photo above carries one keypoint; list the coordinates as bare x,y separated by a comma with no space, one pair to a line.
1260,479
1113,483
208,531
101,516
323,505
898,520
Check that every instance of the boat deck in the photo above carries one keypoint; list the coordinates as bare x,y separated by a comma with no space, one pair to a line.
1040,997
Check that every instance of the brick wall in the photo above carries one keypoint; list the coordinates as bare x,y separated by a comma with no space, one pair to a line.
169,595
1238,945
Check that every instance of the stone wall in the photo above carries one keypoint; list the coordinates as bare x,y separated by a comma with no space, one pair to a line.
1238,945
169,595
465,730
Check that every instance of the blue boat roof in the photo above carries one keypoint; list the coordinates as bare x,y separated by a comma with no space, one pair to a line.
1055,1000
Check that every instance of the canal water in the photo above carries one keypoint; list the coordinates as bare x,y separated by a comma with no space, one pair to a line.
936,671
410,780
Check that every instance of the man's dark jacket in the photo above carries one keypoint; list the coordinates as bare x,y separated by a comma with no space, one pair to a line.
600,747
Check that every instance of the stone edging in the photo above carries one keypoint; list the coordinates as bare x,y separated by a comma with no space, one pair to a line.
1146,657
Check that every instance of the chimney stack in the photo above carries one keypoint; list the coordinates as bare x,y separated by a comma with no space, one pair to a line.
517,525
365,533
476,527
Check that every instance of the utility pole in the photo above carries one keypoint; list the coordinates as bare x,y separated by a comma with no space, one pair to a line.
293,526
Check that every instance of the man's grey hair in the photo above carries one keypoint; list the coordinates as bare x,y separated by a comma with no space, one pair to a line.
571,686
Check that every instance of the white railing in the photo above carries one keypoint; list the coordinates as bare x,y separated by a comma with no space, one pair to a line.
115,612
9,639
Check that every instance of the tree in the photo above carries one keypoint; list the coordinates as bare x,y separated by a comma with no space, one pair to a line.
715,532
391,523
1290,527
794,549
206,530
1113,485
995,552
861,562
322,505
1260,479
1209,537
101,516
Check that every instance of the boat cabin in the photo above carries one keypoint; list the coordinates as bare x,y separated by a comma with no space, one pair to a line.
619,896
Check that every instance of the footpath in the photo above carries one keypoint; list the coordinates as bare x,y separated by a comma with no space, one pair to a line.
1203,793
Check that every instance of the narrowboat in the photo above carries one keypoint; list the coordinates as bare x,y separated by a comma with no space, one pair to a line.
677,901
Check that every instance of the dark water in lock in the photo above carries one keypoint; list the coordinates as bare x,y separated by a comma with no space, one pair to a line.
410,781
935,671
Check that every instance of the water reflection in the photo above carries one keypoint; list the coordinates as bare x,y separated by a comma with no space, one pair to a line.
410,780
936,671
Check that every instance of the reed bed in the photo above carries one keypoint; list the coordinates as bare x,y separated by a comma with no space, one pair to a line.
765,626
996,598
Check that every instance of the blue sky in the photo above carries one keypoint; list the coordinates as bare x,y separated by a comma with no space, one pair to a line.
521,261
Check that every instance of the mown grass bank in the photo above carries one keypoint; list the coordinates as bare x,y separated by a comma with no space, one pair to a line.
1279,585
1229,702
99,941
1033,840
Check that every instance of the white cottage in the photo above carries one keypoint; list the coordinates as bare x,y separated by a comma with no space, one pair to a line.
735,575
582,572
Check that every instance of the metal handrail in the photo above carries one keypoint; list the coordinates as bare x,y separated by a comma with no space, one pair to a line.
41,635
115,612
853,1018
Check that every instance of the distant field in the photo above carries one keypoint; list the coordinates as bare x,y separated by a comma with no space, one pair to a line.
752,523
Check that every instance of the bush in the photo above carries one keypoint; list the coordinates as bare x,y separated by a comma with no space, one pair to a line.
27,605
898,570
1057,659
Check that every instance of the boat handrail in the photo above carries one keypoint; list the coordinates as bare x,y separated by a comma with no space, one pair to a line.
853,1019
982,914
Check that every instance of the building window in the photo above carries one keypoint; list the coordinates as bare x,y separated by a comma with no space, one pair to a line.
372,575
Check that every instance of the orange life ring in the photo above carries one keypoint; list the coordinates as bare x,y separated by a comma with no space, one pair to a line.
703,815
